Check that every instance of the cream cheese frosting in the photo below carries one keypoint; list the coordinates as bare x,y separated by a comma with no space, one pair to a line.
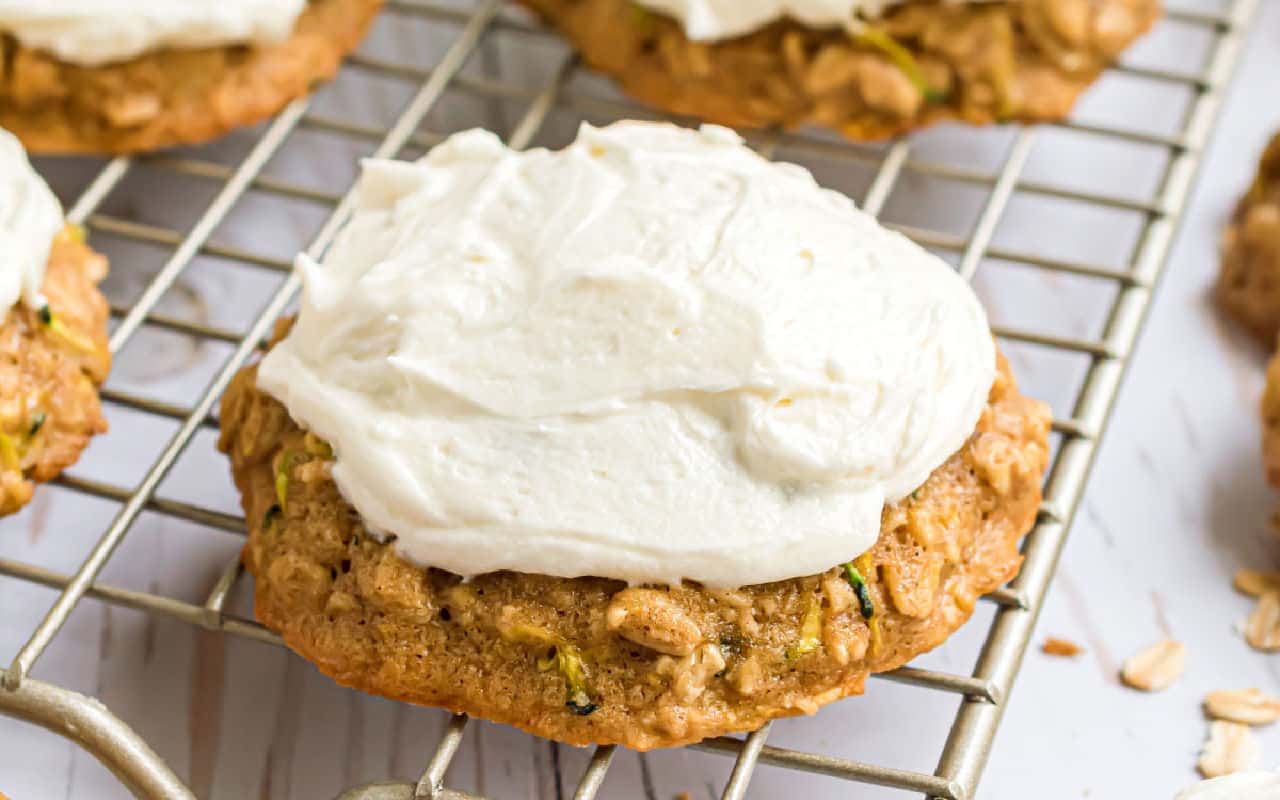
651,356
94,32
710,20
1241,786
30,217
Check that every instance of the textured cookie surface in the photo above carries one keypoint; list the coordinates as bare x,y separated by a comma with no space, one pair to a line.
50,370
1249,281
589,660
171,97
923,63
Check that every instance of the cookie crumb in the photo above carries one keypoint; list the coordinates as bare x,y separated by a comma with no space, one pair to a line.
1155,668
1061,647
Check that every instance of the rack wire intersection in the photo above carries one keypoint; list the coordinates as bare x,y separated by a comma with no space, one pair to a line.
984,691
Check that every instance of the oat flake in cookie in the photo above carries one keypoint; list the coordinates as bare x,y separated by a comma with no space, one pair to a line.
115,76
708,443
53,333
867,68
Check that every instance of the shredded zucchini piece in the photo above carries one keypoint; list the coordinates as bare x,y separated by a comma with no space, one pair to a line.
810,632
37,422
282,478
269,518
528,634
61,331
9,453
567,660
901,58
865,567
316,446
74,231
859,584
641,18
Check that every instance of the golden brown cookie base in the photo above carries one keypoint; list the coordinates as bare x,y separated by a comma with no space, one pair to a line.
1249,281
172,96
49,374
665,666
1271,422
983,63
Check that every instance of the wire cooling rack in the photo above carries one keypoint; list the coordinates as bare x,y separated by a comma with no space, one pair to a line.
531,102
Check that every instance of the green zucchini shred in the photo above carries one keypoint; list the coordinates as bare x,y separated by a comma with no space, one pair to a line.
641,18
810,632
567,660
731,646
9,457
282,478
902,59
317,447
37,422
269,518
55,327
859,584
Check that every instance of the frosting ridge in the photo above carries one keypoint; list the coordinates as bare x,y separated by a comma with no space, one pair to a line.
650,356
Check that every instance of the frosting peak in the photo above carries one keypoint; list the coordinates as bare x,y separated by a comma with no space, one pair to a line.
30,216
651,356
93,32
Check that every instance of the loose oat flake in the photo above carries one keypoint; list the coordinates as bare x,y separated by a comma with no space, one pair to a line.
1255,583
1155,668
1229,748
1061,647
1262,631
1246,706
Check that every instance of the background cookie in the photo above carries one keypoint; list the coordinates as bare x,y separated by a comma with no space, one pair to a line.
923,63
172,97
589,660
53,361
1249,281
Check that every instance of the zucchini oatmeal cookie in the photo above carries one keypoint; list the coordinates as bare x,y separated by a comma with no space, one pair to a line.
1249,281
778,435
170,94
589,660
53,333
918,64
52,361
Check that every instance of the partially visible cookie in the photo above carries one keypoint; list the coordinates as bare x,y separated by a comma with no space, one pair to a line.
172,96
1270,408
1249,281
52,360
922,63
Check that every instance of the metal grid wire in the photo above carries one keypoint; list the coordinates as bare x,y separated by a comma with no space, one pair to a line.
983,692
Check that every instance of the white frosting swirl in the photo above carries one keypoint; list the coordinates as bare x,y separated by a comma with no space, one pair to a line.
93,32
710,20
651,356
30,216
1241,786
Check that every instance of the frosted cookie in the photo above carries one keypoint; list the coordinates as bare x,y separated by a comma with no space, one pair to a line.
53,335
1249,281
641,441
127,75
868,68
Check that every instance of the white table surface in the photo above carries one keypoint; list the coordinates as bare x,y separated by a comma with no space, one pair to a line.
1175,505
